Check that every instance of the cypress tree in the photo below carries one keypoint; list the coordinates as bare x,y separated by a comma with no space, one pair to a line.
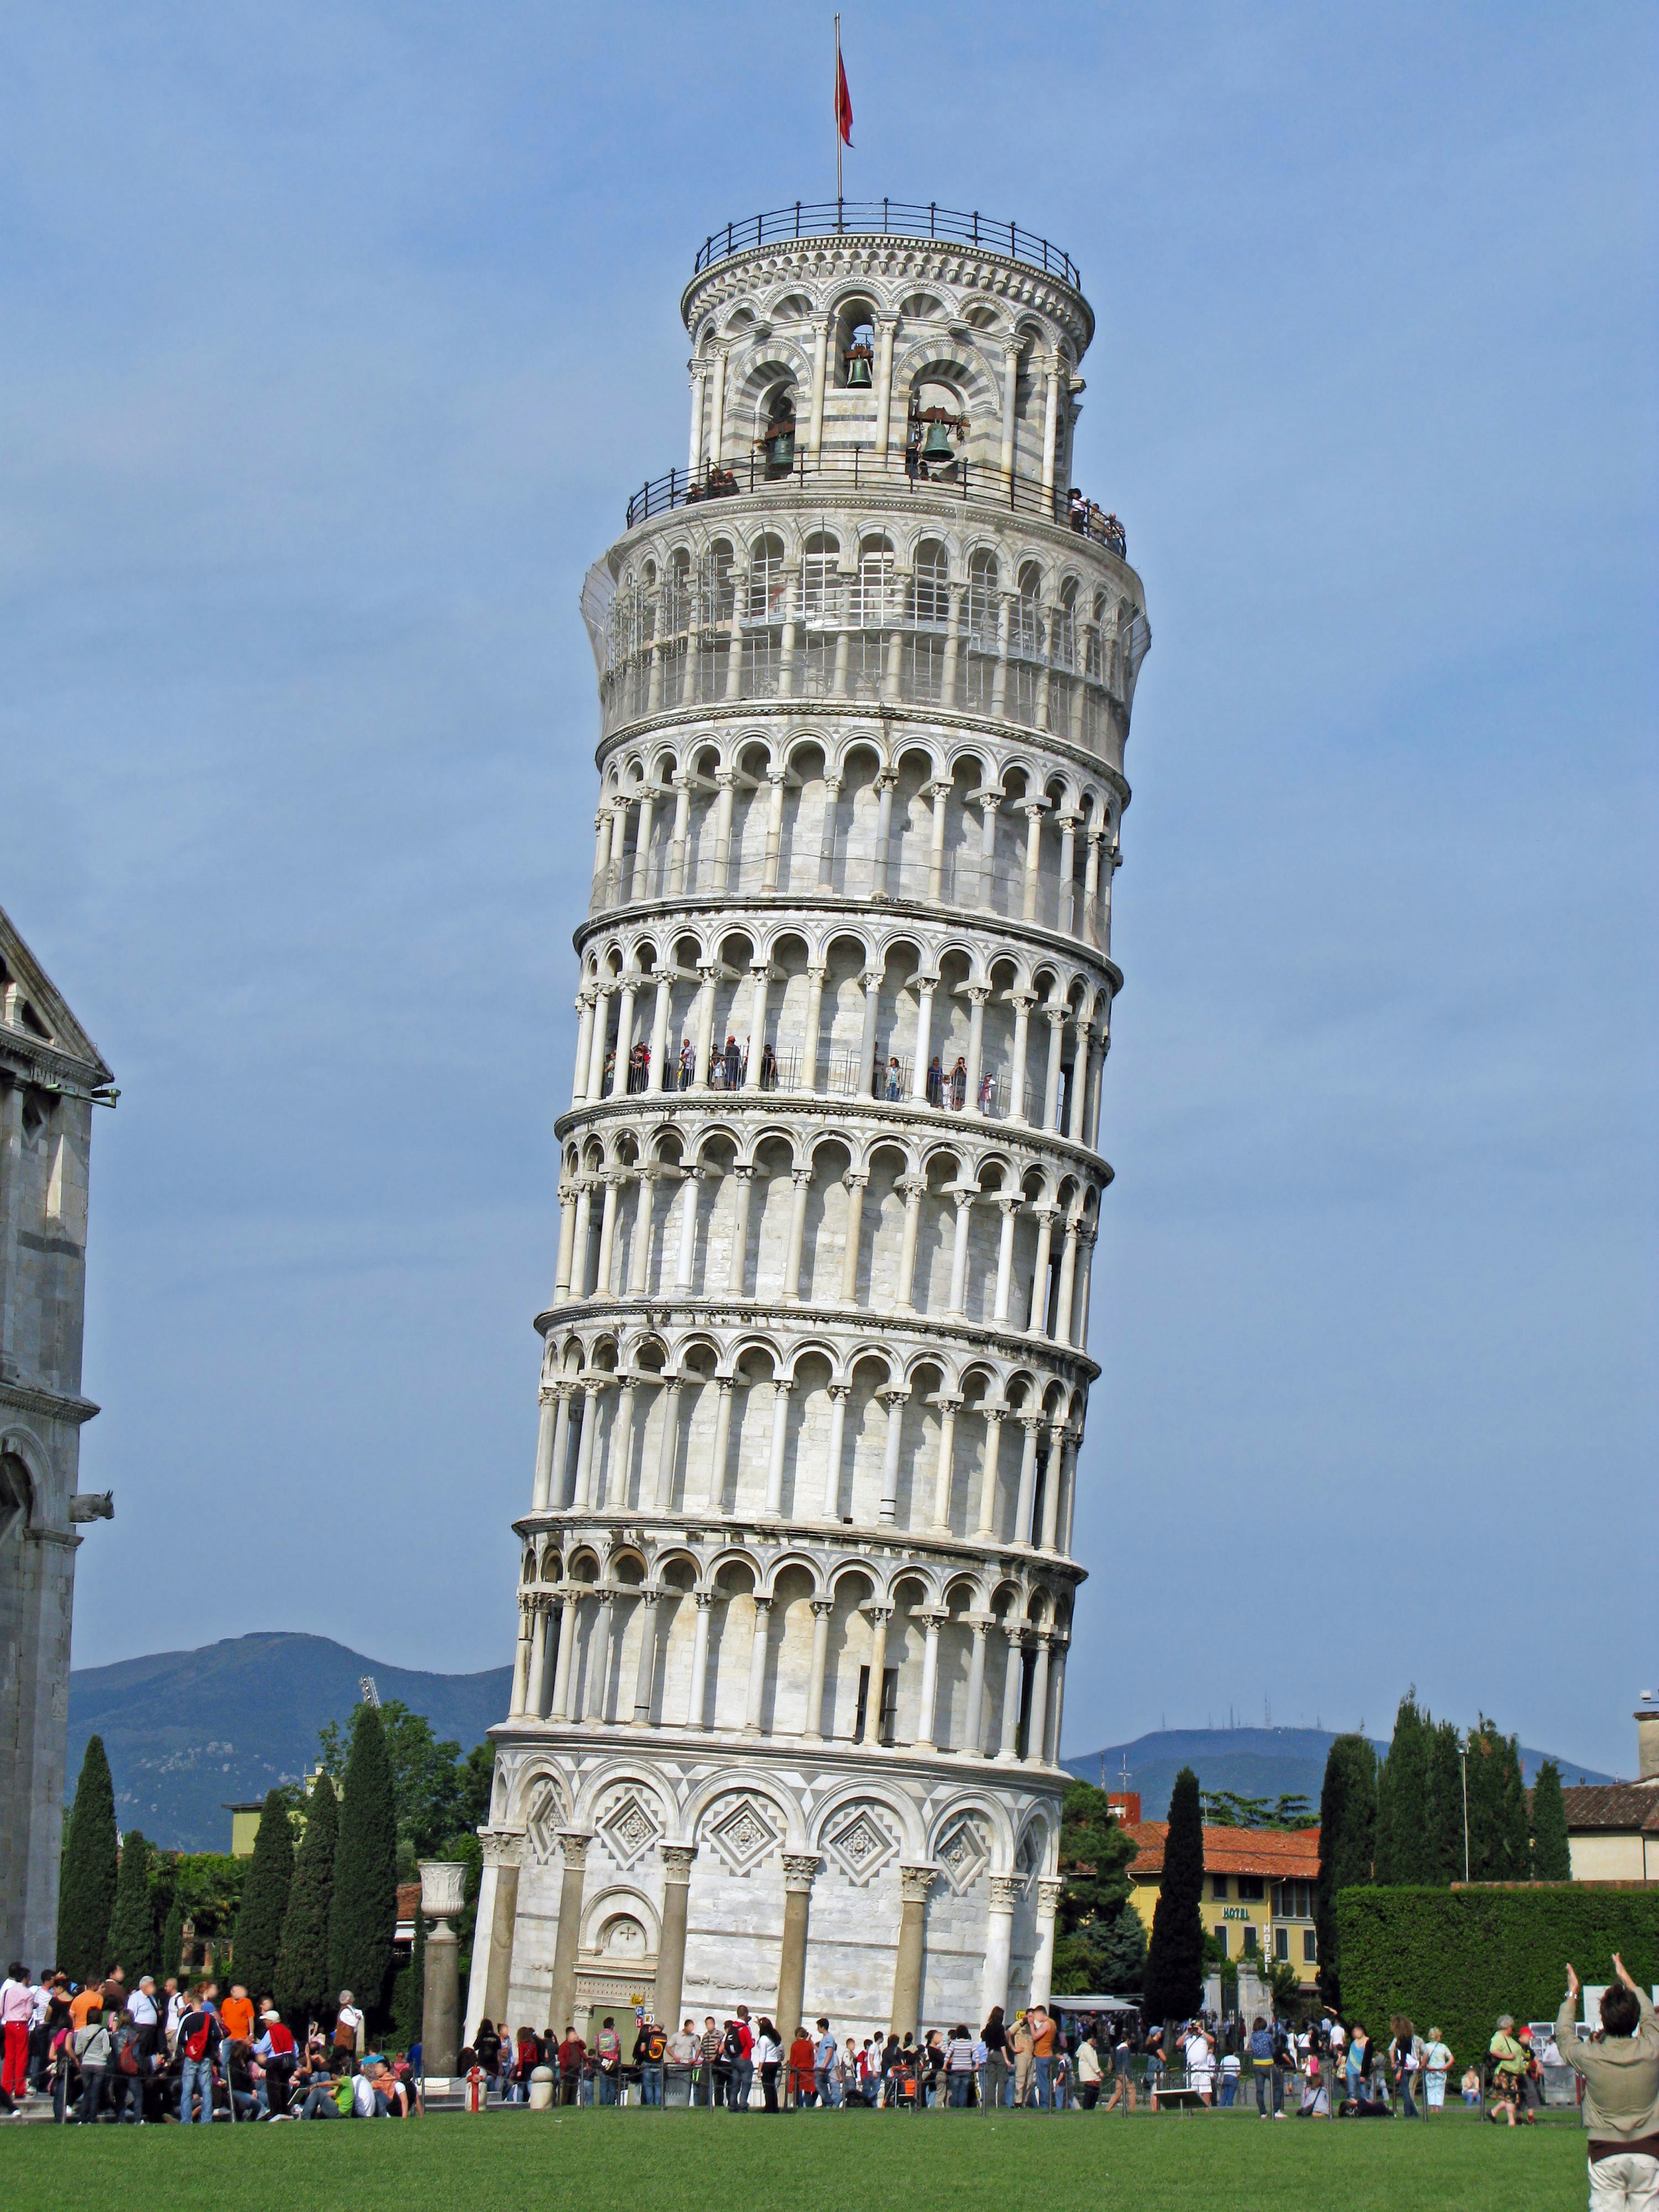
1402,1852
1551,1854
1443,1815
133,1924
264,1899
409,1989
1347,1843
1516,1825
87,1901
302,1984
364,1918
172,1939
1175,1957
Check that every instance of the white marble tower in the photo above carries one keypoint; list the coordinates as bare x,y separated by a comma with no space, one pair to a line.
796,1585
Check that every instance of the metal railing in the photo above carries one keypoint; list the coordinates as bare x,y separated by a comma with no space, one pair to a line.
843,470
888,219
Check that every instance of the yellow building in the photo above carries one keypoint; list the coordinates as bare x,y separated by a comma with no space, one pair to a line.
245,1820
1258,1890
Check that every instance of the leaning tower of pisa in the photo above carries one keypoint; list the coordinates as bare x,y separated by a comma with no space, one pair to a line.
796,1585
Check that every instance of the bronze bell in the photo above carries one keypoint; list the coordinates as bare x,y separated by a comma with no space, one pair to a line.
780,453
936,446
859,378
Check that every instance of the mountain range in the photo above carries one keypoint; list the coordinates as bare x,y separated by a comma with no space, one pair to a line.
188,1732
1255,1762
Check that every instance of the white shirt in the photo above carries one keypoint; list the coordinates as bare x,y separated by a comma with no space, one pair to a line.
1338,2037
1200,2059
767,2053
42,2006
178,2006
141,2007
1436,2058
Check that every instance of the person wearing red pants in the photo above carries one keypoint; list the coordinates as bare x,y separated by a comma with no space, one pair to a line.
17,2004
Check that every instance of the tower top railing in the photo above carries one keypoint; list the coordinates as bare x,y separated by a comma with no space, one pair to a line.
888,219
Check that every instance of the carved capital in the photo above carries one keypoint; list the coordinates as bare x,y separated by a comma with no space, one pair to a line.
799,1868
1006,1890
1049,1888
677,1862
915,1882
573,1843
502,1847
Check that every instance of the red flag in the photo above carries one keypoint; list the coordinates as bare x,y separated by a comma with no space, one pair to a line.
843,100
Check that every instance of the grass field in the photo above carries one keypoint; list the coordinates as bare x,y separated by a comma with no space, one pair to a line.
679,2161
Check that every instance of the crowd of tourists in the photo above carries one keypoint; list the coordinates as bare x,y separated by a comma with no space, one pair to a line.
185,2053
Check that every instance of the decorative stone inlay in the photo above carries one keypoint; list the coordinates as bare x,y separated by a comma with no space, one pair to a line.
630,1828
743,1832
861,1845
964,1853
542,1829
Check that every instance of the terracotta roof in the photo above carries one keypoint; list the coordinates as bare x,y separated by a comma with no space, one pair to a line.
1280,1854
1618,1805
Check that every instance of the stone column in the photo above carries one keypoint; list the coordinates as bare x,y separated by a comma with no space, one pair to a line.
1027,1498
1050,419
1008,1741
546,1428
585,1441
1006,1892
624,1037
641,887
584,1047
1042,1966
932,1620
774,831
973,1744
944,1472
724,1384
567,1242
659,1013
977,994
565,1392
534,1661
562,1999
1036,1321
1034,811
1056,1019
695,456
607,1237
880,1617
756,1697
1067,1286
639,1248
914,1882
578,1237
685,1267
814,418
523,1651
1023,1002
697,1701
809,1047
964,1195
622,1446
822,1609
988,1487
708,976
596,1690
760,974
1037,1727
895,1401
839,1393
563,1668
594,1086
1080,1314
726,785
802,1179
668,1451
885,786
798,1872
1056,1701
1009,385
1077,1102
646,1669
870,981
912,1187
677,851
671,1952
717,411
849,1265
781,1390
884,414
443,1888
1008,1207
498,1914
738,1278
926,985
827,838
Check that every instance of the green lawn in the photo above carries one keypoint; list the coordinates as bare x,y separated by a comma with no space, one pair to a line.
679,2161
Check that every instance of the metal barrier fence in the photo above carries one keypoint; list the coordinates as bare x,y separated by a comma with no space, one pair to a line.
888,218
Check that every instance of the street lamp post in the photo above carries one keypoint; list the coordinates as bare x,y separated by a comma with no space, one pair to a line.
1463,1765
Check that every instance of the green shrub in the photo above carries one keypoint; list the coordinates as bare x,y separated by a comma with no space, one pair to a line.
1456,1959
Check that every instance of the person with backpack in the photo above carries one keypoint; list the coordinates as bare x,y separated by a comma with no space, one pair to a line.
739,2053
197,2045
128,2066
276,2054
607,2054
92,2053
649,2046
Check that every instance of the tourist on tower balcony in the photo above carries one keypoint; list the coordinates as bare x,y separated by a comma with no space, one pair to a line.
959,1083
935,1082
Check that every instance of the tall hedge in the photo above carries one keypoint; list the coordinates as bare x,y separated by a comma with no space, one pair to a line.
364,1918
264,1899
86,1897
1456,1959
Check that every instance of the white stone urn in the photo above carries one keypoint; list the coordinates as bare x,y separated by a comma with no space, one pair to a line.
443,1888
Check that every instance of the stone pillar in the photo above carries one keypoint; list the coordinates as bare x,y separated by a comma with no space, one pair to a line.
756,1695
1023,1002
798,1872
884,414
1056,1020
827,841
1008,1207
1042,1966
668,1449
1008,1739
839,1393
685,1267
1009,385
1037,1727
738,1278
988,1487
973,1744
774,841
1056,1701
895,1401
912,1188
698,1699
870,981
885,785
809,1047
695,454
849,1265
677,850
659,1013
1067,1286
926,985
1050,419
964,1194
563,1667
622,1446
497,1917
814,418
1033,810
545,1430
977,994
801,1178
1052,1485
1036,1321
578,1236
880,1617
822,1609
639,1250
717,411
624,1038
562,1999
914,1882
724,1385
644,1673
584,1442
584,1047
443,1888
671,1952
1031,1423
1006,1890
607,1238
596,1690
760,972
781,1390
932,1620
944,1472
567,1242
535,1658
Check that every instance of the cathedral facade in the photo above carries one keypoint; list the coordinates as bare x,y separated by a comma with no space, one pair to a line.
51,1077
796,1583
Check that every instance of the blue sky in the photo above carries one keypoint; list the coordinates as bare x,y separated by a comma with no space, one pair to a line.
334,339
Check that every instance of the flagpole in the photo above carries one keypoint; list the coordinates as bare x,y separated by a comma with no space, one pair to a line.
837,108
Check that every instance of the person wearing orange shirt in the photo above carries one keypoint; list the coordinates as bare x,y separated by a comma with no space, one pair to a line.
1042,2055
236,2013
84,2003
